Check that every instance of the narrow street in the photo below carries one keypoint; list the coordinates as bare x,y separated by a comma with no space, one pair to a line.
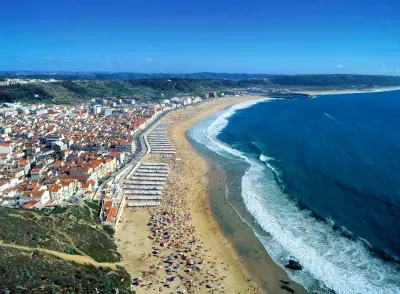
136,157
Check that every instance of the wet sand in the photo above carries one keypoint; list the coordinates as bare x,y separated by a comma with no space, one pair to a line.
239,227
180,247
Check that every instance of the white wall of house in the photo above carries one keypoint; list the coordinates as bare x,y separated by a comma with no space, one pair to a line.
45,197
54,195
5,149
4,187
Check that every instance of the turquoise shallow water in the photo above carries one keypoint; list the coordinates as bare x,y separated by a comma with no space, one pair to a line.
323,182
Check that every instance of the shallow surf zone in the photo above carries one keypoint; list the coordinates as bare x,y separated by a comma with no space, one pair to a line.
341,264
206,132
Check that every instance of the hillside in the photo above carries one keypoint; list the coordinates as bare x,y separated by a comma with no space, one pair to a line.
127,76
335,80
145,90
79,252
152,87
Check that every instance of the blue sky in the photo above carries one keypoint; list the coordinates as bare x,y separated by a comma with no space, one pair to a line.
285,36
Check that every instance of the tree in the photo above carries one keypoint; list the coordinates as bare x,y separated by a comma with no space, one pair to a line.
60,154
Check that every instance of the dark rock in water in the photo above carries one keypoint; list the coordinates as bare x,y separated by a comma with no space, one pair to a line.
284,282
284,287
294,265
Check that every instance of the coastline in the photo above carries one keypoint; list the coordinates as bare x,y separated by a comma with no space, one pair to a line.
238,225
326,269
188,188
337,92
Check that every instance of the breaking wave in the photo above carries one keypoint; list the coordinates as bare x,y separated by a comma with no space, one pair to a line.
344,265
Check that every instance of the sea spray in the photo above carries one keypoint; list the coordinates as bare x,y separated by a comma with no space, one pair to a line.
342,264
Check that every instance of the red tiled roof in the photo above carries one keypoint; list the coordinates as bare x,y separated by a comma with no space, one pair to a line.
107,204
112,214
50,202
54,189
29,204
35,194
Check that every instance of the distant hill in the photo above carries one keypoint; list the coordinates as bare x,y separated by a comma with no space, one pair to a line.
151,87
125,76
336,80
144,90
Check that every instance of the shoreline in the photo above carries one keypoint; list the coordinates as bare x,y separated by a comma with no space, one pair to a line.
238,226
187,190
333,281
337,92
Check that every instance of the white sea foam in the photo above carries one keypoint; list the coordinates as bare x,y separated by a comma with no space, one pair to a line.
208,135
343,265
267,160
332,118
329,116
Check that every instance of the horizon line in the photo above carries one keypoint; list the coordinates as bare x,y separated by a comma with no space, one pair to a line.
187,73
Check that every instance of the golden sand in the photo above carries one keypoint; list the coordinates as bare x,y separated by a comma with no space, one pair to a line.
179,247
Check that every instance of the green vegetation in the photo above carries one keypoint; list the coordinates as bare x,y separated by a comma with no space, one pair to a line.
77,91
153,87
72,230
36,272
335,80
57,210
24,93
59,153
86,89
109,230
94,205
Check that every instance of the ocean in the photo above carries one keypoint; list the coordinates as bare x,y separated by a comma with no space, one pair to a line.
321,177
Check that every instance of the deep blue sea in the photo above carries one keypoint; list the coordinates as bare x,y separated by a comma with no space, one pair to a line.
323,179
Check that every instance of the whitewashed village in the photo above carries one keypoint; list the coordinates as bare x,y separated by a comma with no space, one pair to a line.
53,155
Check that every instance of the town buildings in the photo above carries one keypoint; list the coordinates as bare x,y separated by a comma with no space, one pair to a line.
111,207
19,81
50,154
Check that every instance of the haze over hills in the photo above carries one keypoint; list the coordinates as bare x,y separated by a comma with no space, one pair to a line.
302,79
75,86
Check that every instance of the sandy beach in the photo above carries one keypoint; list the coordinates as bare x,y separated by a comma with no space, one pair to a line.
179,247
334,92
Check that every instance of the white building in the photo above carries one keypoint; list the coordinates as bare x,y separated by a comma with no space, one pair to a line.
96,109
187,101
6,147
197,100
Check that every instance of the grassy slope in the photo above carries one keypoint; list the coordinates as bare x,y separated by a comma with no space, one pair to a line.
78,91
151,89
37,272
24,93
60,94
73,231
99,88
